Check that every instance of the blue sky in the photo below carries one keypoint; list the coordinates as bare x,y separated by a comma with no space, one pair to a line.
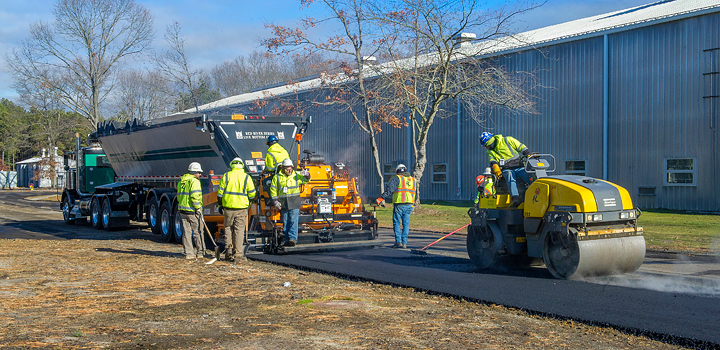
220,30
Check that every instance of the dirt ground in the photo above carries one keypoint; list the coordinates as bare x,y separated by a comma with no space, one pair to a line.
114,292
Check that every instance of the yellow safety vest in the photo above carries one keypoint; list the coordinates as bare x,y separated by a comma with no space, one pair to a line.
275,155
236,189
506,152
488,190
189,193
406,190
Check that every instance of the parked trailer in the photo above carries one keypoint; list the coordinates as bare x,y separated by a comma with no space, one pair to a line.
134,174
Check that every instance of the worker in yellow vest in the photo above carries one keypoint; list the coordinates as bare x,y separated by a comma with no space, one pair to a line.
403,190
275,154
190,204
234,195
506,156
485,186
285,190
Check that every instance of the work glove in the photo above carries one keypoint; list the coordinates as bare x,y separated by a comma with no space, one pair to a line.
277,205
305,173
198,213
496,171
221,210
380,201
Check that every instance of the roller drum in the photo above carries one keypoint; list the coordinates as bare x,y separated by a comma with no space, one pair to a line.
574,259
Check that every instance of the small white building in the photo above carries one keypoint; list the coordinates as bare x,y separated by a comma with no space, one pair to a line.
27,168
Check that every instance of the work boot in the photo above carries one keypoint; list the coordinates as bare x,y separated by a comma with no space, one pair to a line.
397,245
516,201
189,257
404,246
290,243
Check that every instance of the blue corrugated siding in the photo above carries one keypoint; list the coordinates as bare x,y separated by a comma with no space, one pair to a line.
656,111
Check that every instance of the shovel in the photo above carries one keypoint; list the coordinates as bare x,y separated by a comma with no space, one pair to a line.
217,249
422,251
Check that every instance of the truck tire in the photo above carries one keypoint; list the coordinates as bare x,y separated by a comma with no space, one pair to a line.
165,222
66,206
107,219
153,215
96,214
177,226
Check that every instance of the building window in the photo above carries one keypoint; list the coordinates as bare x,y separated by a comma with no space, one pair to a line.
388,172
575,167
646,191
439,173
680,172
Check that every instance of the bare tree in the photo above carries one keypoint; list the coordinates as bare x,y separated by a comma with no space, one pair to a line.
142,95
258,69
349,47
174,64
445,63
75,55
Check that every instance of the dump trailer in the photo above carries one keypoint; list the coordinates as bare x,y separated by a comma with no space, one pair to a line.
579,226
132,173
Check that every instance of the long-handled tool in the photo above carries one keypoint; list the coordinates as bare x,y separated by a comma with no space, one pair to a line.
422,251
217,249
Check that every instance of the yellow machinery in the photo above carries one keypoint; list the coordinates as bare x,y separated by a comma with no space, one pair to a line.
579,226
331,211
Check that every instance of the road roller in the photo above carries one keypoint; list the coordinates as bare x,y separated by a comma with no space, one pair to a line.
579,226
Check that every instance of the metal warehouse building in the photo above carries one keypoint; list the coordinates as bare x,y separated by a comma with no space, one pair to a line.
632,97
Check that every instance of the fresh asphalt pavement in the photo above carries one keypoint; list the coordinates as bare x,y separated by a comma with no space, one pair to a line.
671,297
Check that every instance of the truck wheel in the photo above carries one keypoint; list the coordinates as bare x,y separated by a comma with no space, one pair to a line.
107,215
481,246
177,226
66,206
96,214
153,216
165,223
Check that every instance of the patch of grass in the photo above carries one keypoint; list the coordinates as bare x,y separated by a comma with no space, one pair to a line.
305,301
77,333
436,216
664,230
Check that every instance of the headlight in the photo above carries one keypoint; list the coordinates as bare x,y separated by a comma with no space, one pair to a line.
589,218
597,217
624,215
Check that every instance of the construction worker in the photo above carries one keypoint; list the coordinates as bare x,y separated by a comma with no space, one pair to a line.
285,193
234,195
275,154
506,157
190,204
485,186
402,189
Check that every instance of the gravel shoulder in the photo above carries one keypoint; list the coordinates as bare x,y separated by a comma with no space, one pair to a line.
127,290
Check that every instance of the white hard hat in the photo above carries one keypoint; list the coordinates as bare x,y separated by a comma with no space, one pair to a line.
400,168
237,160
195,167
287,162
487,171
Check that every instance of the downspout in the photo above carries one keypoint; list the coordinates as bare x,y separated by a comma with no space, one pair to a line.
606,103
457,138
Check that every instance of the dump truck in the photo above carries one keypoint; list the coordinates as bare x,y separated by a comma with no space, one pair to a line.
578,225
132,171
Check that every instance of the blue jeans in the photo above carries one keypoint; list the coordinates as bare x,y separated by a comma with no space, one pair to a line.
511,175
290,220
401,222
